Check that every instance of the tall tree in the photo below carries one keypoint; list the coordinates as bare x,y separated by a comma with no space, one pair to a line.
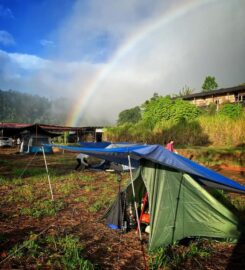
209,84
129,116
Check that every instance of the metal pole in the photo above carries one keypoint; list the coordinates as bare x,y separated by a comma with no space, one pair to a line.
135,205
50,187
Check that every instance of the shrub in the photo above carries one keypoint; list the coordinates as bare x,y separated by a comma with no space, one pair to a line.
231,110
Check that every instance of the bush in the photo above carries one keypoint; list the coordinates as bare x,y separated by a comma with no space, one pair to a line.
231,110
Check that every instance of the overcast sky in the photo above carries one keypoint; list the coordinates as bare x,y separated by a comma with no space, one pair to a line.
112,55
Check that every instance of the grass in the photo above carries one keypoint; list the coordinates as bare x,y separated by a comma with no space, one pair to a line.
22,194
66,188
174,256
43,208
81,199
86,178
218,131
63,252
30,172
101,203
90,194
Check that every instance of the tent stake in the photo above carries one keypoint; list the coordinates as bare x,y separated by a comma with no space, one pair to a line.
50,187
135,205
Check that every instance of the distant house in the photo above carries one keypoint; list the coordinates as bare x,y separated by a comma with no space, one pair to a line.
221,96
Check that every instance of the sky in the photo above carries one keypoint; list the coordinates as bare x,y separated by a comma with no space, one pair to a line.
108,56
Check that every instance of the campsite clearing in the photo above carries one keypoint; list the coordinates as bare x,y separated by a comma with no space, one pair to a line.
50,234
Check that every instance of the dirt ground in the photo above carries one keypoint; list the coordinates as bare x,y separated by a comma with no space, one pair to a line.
105,248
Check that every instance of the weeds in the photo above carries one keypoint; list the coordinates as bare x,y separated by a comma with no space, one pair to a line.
67,188
3,181
43,208
62,252
175,255
21,194
87,178
99,204
205,130
239,203
81,199
14,181
89,188
28,172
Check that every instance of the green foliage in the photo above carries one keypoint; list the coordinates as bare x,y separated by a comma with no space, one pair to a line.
101,203
71,254
231,110
164,108
209,84
156,110
43,208
87,178
184,110
17,172
60,252
175,255
21,107
129,116
67,188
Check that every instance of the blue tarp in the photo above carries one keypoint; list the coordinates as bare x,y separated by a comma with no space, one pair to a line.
160,155
94,144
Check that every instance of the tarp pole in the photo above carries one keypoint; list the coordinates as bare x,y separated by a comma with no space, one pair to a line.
50,187
177,208
135,205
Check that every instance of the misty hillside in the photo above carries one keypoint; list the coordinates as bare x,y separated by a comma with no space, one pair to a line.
26,108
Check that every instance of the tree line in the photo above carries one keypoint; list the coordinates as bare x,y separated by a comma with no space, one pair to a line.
25,108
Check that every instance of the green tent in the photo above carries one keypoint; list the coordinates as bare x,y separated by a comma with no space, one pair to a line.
179,207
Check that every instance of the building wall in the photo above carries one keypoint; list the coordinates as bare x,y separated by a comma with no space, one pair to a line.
205,101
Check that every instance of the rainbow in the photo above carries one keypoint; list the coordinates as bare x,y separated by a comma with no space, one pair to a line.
165,18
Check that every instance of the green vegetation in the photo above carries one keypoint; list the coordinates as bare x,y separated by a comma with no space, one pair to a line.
164,118
43,208
69,226
209,84
63,252
39,110
129,116
233,111
166,109
101,203
174,256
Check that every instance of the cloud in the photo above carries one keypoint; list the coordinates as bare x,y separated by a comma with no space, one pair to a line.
102,26
27,61
6,38
99,59
47,43
181,51
36,75
6,12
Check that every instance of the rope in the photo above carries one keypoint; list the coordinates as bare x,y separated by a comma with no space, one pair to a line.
27,166
24,245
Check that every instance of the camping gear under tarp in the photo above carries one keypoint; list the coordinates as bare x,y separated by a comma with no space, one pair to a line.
160,155
179,207
179,204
